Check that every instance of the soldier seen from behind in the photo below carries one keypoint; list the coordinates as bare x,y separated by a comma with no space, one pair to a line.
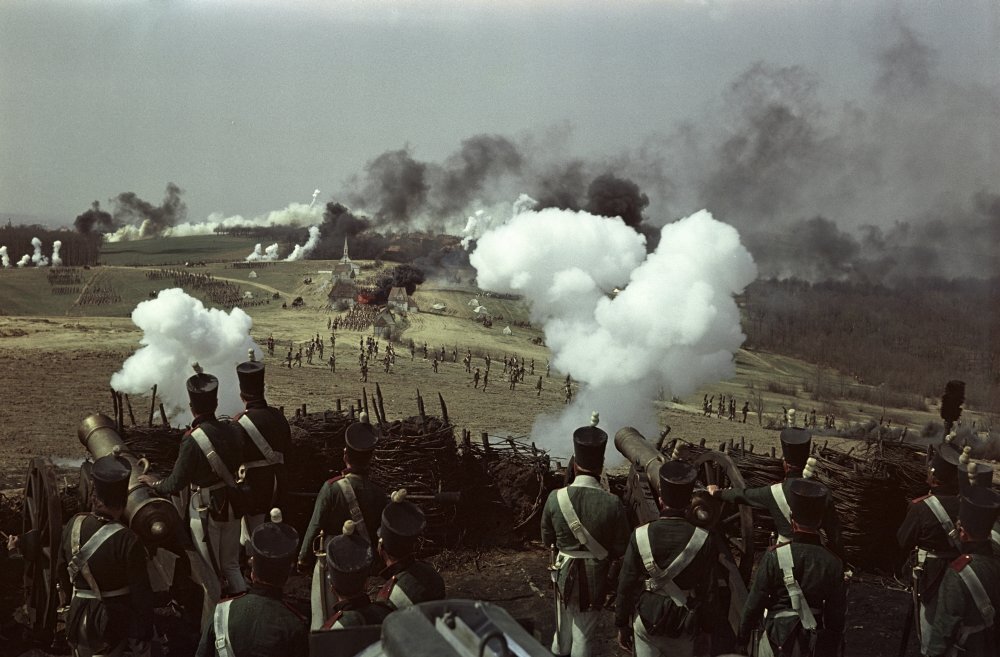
112,603
798,590
666,575
348,562
260,623
587,529
409,581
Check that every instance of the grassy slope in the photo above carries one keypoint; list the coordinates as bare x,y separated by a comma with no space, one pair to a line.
177,250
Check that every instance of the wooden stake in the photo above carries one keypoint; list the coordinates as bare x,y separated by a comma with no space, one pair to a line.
381,402
420,407
338,406
163,415
131,415
152,406
444,409
114,404
485,437
364,398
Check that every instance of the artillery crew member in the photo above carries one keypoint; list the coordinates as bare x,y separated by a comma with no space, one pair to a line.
112,604
588,529
266,439
795,444
260,623
349,496
800,584
348,562
409,581
211,451
928,530
965,616
666,577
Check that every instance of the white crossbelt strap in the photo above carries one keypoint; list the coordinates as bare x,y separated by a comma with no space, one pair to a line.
352,504
398,597
271,457
799,603
979,595
662,580
778,493
81,555
214,460
220,623
934,504
995,536
597,550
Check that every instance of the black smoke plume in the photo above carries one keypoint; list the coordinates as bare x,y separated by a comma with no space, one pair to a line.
561,187
393,187
153,220
405,276
611,196
340,224
480,159
906,66
94,218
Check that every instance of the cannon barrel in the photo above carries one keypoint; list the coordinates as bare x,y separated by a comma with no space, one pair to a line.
642,454
154,519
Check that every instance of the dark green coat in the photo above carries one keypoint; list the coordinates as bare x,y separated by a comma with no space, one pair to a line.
585,581
272,424
820,574
668,536
416,579
921,529
356,612
192,466
119,562
762,498
331,510
261,624
955,606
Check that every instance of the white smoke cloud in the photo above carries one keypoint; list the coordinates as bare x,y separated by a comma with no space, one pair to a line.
4,258
178,331
295,214
56,259
482,221
315,196
25,259
673,326
302,250
39,259
268,254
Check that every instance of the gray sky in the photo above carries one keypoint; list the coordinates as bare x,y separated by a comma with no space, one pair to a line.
248,106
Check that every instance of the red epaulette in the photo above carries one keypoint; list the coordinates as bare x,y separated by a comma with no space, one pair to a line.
295,611
328,625
236,418
918,500
233,597
958,564
333,479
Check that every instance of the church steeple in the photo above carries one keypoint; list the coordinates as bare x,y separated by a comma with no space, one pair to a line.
346,257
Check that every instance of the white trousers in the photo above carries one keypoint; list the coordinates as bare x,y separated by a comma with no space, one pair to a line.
250,523
223,543
575,630
647,645
318,594
925,618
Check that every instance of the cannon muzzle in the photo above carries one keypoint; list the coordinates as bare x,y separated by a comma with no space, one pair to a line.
642,454
153,518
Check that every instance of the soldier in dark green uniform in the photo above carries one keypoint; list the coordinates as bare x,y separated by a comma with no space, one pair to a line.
965,620
409,581
211,451
260,623
266,439
927,531
112,604
800,584
349,559
666,575
350,496
795,445
587,529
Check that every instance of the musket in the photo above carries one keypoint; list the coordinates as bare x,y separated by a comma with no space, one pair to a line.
554,576
320,575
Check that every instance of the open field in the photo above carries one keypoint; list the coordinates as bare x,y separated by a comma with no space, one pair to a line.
177,250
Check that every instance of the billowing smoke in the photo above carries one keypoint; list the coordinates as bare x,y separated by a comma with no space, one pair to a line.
4,258
673,326
23,262
405,276
611,196
267,255
56,259
561,187
313,201
301,251
140,219
481,159
38,259
340,224
94,219
294,215
393,187
177,331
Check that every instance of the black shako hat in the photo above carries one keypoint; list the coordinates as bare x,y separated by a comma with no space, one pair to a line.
795,444
251,376
677,483
978,511
402,525
110,475
361,438
807,500
975,474
588,445
349,558
273,546
944,465
203,389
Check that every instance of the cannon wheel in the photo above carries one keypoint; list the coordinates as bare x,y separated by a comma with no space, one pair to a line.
42,512
735,521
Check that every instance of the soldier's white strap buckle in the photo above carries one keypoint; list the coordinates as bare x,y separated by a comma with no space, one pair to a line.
934,504
575,526
90,595
778,493
220,622
352,504
662,580
786,563
979,595
81,555
214,460
270,456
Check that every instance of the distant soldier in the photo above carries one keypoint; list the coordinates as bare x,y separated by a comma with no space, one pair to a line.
349,558
112,603
298,357
409,581
309,355
538,387
475,379
732,409
351,495
270,345
800,585
513,379
364,372
532,367
587,529
486,379
568,389
548,370
387,362
812,418
288,358
333,363
666,576
261,622
434,364
745,410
